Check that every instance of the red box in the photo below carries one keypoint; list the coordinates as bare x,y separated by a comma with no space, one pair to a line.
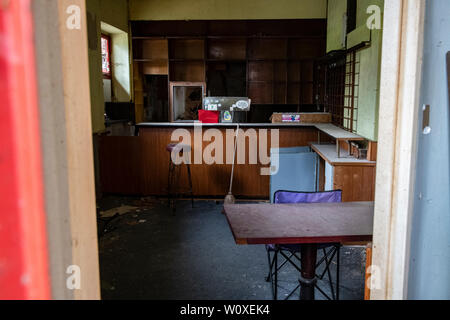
206,116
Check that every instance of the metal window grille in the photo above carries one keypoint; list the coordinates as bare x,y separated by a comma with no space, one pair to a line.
342,89
350,114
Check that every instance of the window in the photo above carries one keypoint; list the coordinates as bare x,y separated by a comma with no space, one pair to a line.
351,94
106,56
342,89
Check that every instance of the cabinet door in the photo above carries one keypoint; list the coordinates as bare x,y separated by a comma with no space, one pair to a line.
296,171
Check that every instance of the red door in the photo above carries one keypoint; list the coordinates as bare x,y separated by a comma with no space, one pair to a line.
24,270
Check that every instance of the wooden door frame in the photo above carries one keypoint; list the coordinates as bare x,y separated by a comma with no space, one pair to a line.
68,161
80,151
398,116
399,97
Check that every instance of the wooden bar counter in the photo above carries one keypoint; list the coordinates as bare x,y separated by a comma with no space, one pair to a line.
139,165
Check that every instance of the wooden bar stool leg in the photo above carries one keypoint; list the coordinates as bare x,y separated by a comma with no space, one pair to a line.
190,183
177,173
169,183
174,191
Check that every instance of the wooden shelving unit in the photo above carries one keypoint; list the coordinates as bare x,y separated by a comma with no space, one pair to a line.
151,55
277,75
278,69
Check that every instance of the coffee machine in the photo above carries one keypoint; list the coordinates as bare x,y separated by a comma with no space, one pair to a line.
232,109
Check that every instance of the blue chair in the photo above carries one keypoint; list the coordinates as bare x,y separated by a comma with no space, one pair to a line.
289,251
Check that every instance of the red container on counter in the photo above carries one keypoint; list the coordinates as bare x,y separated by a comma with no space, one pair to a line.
206,116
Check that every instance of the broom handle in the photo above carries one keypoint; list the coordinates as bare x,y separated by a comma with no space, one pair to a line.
234,157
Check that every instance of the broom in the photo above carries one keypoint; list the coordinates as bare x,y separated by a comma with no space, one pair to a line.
230,199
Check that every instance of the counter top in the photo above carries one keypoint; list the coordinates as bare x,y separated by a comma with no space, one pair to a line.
225,125
337,133
329,154
331,130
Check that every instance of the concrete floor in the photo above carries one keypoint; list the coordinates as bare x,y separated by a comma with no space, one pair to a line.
149,253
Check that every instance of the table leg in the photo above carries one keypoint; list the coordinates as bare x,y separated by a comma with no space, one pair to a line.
308,275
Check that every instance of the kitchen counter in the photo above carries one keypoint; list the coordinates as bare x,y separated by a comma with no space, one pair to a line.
223,125
142,162
329,154
327,128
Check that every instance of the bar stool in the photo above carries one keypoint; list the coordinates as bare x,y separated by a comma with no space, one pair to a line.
173,188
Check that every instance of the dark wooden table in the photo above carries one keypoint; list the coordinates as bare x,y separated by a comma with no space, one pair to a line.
309,224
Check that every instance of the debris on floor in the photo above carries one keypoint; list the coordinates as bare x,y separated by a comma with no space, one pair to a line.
147,203
123,211
117,211
155,255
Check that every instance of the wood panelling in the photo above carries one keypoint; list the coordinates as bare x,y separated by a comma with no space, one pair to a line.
153,54
260,92
120,161
191,71
187,49
293,73
260,71
279,55
293,93
227,49
355,178
279,93
306,94
267,49
356,182
372,151
280,71
300,49
138,91
151,49
155,68
139,165
307,71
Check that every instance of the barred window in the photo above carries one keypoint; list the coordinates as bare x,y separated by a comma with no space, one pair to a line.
342,89
106,56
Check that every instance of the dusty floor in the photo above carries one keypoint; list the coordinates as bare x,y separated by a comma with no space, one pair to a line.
149,253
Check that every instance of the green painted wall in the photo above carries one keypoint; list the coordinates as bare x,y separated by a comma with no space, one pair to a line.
121,81
115,13
369,57
369,76
336,11
227,9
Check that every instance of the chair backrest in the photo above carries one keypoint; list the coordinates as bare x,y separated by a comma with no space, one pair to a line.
281,197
